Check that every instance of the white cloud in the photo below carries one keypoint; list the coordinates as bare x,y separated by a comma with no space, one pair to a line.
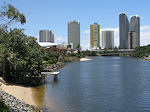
60,39
86,32
145,27
144,36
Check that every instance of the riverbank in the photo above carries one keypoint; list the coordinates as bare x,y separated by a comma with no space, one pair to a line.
147,58
22,93
54,67
85,59
26,95
17,98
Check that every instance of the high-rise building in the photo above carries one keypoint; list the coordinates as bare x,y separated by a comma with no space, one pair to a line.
134,26
108,39
74,34
132,40
46,36
95,36
52,37
123,31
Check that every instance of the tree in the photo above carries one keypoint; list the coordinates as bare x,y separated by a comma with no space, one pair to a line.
20,58
69,46
78,47
20,55
9,14
50,57
143,51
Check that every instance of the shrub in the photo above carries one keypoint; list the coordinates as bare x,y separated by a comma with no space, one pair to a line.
20,57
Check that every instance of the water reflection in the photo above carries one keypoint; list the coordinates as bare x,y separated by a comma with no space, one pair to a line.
104,84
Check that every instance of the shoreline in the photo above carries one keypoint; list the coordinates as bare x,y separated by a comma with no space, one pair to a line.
85,59
18,98
24,94
147,58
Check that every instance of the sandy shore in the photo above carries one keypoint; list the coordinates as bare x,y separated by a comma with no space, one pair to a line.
147,58
22,93
85,59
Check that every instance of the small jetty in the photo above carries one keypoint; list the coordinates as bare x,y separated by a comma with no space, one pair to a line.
54,74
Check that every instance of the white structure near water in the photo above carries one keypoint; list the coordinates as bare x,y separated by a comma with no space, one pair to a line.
107,39
47,44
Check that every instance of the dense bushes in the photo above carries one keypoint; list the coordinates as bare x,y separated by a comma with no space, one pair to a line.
50,57
143,51
20,57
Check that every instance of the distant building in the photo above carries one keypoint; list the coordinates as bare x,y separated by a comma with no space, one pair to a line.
123,31
95,36
52,37
47,44
108,39
132,40
134,26
46,36
74,34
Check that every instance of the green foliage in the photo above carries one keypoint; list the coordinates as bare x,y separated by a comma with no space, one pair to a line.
3,107
78,47
68,46
20,57
143,51
50,57
9,14
92,53
65,58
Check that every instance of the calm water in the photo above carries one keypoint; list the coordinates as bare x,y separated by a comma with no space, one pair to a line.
104,84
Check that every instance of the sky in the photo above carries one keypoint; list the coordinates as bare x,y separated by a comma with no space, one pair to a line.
55,14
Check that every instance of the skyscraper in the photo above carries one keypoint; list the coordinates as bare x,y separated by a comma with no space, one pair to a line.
74,34
108,39
123,31
134,26
46,36
95,36
52,37
132,40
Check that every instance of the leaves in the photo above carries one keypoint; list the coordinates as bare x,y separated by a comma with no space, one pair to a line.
20,57
143,51
9,14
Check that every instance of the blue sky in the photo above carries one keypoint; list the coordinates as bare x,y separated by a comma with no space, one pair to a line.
55,14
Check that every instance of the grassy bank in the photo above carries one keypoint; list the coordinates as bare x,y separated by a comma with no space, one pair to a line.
141,52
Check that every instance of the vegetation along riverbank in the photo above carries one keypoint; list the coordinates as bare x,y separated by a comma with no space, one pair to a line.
22,60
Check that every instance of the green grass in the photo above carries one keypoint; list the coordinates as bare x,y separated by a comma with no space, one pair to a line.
3,107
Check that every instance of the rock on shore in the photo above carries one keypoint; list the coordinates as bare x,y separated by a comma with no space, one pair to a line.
15,105
54,67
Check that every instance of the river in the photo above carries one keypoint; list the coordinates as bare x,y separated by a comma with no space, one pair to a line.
104,84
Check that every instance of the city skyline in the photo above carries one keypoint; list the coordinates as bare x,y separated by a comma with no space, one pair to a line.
42,15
